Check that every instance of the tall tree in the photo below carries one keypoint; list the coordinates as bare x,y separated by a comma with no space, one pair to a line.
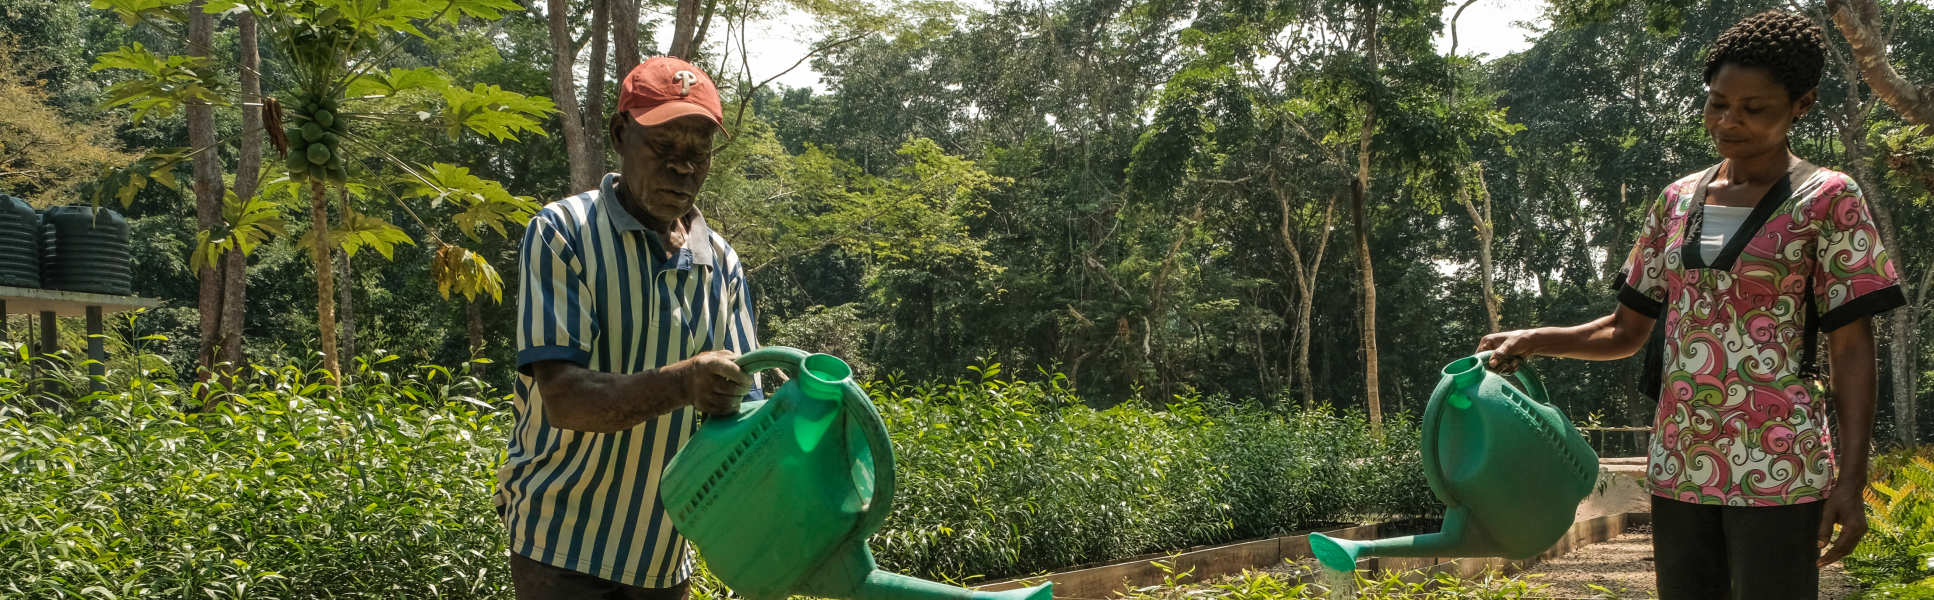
248,170
624,35
334,59
1305,277
564,92
1865,56
208,190
594,131
1359,194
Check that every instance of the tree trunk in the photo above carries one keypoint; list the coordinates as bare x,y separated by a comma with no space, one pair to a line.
594,84
1158,295
564,94
346,293
1901,337
346,307
685,30
1614,257
1359,191
248,170
325,285
704,25
1481,218
473,317
624,35
1859,21
1305,286
208,196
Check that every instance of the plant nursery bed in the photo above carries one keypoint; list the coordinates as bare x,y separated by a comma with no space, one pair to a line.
1289,559
1100,581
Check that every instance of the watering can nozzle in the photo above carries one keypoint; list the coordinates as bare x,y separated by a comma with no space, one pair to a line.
1453,540
882,585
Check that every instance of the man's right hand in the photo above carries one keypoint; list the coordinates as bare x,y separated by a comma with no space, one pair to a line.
712,381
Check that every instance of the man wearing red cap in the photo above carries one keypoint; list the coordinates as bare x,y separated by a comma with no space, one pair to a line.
631,313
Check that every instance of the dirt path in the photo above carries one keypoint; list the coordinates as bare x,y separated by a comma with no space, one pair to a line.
1623,565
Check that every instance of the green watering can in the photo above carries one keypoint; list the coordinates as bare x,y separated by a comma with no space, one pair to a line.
1508,466
781,497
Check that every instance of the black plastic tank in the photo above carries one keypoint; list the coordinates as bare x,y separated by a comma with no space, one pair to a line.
85,249
19,243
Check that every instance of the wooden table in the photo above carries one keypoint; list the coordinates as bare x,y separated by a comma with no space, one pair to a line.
52,303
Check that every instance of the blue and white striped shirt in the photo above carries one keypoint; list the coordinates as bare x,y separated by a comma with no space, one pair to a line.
598,291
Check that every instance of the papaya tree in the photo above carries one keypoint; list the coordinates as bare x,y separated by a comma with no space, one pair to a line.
334,91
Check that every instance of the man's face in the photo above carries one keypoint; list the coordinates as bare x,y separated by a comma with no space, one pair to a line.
1748,113
664,165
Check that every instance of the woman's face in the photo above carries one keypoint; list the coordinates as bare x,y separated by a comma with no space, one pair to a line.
1748,113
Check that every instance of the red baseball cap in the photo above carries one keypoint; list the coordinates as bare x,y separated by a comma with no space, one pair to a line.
664,88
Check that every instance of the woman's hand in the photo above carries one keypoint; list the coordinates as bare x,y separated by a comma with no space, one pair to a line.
1508,349
1846,509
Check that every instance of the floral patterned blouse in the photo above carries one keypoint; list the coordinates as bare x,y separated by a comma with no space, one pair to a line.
1736,423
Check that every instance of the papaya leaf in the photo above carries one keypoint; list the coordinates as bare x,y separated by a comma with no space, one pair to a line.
133,12
398,81
484,203
459,270
495,112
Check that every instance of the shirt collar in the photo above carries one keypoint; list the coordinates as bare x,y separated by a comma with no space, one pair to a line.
698,236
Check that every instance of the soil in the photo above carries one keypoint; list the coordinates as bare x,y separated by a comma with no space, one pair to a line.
1623,565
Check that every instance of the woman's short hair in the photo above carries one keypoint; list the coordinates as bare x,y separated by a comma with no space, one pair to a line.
1789,46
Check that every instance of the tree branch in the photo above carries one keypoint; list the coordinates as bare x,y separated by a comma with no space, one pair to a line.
1858,20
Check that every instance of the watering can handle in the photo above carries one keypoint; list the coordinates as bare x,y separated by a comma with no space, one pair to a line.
1534,386
860,409
789,360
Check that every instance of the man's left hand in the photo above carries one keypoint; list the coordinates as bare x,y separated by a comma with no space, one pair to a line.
1846,509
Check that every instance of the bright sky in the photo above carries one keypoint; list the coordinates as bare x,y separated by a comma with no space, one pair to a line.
1490,27
1493,27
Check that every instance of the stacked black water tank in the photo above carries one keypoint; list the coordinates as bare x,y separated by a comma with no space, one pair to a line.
19,243
85,249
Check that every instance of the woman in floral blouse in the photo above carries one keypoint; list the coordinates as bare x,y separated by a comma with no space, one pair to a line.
1747,262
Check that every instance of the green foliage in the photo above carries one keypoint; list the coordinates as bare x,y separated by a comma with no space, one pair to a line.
1287,583
246,224
1898,552
287,487
1001,476
484,203
465,272
284,488
44,154
492,111
162,85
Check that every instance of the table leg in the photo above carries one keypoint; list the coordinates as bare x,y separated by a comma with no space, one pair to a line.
42,362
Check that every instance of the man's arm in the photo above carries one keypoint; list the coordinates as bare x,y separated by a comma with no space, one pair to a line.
1851,350
581,399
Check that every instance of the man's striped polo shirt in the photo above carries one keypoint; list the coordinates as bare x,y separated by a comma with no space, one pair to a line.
597,290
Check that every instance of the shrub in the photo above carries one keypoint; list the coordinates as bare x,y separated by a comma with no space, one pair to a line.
289,488
281,490
1004,477
1896,558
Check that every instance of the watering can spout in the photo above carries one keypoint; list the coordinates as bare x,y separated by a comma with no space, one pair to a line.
853,575
882,585
1455,539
